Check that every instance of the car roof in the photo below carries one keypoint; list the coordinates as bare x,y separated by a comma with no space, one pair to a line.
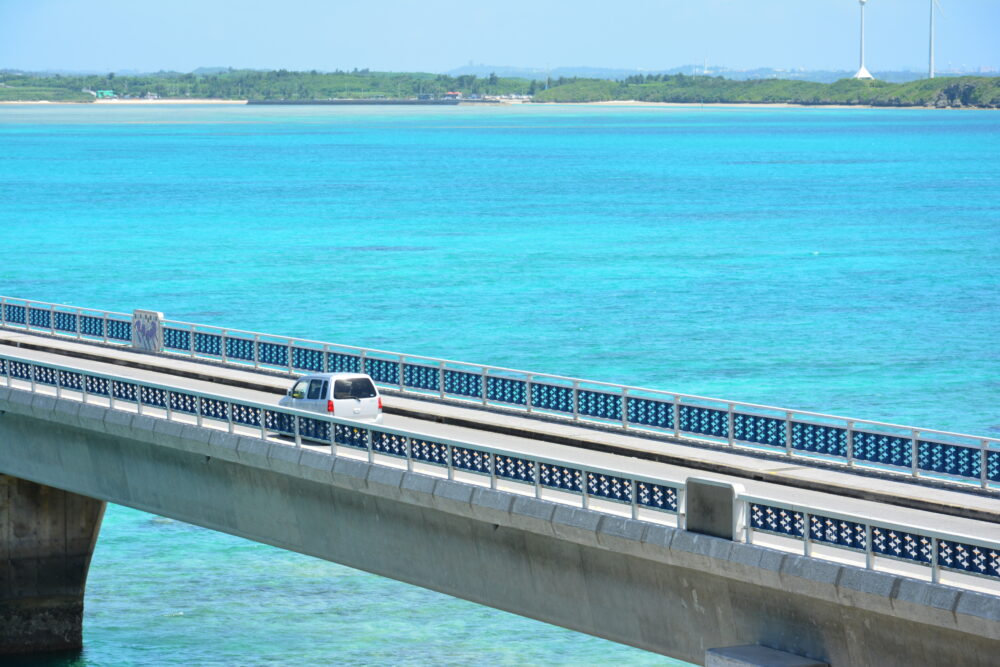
334,376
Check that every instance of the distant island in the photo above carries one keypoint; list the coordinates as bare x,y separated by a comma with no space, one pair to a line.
943,92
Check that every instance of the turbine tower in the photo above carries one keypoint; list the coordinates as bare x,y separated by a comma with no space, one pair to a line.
930,48
863,72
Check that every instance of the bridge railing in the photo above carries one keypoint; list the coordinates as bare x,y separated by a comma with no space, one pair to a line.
909,450
578,483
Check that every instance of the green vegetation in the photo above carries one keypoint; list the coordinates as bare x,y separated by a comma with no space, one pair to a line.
274,85
284,85
944,91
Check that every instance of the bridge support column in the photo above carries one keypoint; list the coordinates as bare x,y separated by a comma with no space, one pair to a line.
47,537
756,656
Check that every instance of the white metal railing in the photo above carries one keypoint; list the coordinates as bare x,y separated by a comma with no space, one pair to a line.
800,434
876,539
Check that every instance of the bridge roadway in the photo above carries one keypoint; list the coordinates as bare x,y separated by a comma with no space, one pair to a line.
664,590
889,496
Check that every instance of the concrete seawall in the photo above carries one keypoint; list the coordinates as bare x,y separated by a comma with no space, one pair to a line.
634,582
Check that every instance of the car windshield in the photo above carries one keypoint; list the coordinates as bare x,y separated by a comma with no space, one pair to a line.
354,388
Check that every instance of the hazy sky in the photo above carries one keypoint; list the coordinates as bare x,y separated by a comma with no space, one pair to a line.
438,35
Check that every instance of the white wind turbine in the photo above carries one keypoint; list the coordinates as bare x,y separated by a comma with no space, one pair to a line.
863,72
930,47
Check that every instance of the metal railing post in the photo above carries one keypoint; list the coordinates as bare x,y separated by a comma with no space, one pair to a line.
191,339
451,462
731,429
441,379
788,433
229,416
485,385
170,405
256,351
402,367
493,470
576,400
409,454
222,347
79,323
371,446
31,374
263,423
111,394
138,399
363,361
850,443
105,327
585,488
806,534
527,392
3,312
935,565
58,384
537,472
915,454
869,551
326,358
199,417
297,430
625,407
984,459
677,416
52,320
635,498
291,356
748,532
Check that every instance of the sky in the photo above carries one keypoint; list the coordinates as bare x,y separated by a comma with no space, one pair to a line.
439,35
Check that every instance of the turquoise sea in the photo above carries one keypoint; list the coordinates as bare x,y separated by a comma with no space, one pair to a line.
843,261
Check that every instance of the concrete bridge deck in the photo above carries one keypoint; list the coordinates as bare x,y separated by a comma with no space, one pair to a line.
888,498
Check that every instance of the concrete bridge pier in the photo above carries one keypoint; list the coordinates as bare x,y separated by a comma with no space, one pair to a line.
47,537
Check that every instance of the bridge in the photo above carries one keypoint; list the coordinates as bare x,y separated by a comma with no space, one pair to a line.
704,529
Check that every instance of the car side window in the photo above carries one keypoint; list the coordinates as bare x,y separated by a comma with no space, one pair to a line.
300,389
315,390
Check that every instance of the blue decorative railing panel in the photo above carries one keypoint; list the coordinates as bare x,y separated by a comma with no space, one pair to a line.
353,436
245,414
176,339
214,409
886,449
45,375
759,429
307,359
609,486
120,330
279,422
180,402
819,439
97,386
382,370
993,466
92,326
239,348
657,496
67,379
472,460
776,520
209,344
314,429
650,412
837,532
272,354
65,321
20,370
969,558
901,545
705,421
510,467
154,397
949,459
389,443
429,451
461,383
506,390
126,391
14,314
560,477
599,404
421,377
552,397
38,317
343,363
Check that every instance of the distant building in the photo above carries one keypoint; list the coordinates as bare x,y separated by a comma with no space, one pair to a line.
453,95
106,95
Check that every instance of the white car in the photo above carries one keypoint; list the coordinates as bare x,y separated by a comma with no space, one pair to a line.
345,395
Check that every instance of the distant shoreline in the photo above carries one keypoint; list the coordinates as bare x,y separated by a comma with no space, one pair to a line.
606,103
